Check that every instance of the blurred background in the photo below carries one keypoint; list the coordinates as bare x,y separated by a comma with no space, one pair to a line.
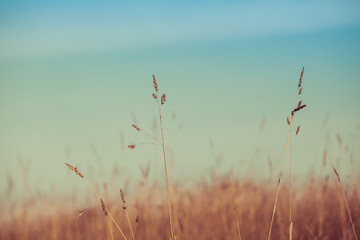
74,76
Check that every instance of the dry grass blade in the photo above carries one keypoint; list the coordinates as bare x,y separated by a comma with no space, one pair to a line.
290,122
162,143
127,215
345,200
163,99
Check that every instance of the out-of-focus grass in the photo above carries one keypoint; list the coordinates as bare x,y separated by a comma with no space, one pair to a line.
205,211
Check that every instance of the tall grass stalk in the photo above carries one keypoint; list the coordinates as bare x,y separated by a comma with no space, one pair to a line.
346,203
290,122
163,98
126,212
160,103
290,196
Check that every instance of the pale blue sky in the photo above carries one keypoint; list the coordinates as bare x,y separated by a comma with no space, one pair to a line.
75,75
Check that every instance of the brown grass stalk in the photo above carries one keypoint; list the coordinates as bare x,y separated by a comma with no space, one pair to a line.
126,212
163,99
345,200
290,195
279,181
162,144
298,108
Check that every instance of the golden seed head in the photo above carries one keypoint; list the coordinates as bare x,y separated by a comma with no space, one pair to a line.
297,109
122,196
154,96
299,104
75,170
155,84
71,167
163,98
337,174
300,91
131,147
79,173
301,76
103,207
136,127
288,120
297,130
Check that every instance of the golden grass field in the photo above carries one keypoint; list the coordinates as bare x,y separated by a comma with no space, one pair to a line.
226,207
206,211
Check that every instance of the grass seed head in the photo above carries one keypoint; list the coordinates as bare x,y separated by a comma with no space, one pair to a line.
103,207
297,130
79,173
337,174
301,76
297,109
154,96
131,147
299,104
122,196
300,91
75,170
163,99
123,199
155,83
288,120
136,127
71,167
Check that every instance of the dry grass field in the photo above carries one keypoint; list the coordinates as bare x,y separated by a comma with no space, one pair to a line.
226,207
206,211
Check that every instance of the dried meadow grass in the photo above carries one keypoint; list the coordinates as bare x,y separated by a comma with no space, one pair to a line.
290,123
162,144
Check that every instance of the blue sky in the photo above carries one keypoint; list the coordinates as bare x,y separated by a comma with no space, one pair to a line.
76,75
52,29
